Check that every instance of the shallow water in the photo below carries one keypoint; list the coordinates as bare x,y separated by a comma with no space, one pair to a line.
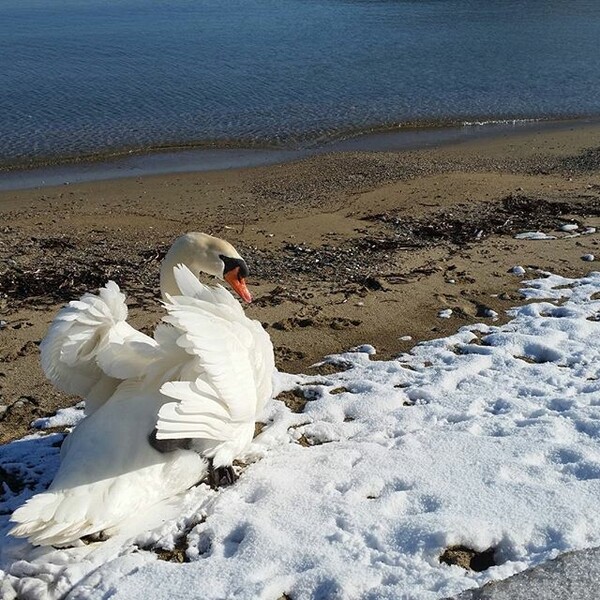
79,77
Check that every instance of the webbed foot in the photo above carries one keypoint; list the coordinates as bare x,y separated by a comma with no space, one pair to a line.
220,476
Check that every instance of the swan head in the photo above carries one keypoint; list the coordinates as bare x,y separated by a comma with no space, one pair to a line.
203,253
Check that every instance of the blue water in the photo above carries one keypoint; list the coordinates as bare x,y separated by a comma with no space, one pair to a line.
79,76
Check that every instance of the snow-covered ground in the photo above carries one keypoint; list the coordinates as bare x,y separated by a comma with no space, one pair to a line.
488,438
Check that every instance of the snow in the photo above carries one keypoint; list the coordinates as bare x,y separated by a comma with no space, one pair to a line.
487,438
366,348
534,235
490,314
445,313
518,270
64,417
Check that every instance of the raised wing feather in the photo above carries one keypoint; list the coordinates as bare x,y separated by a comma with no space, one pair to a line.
233,353
264,365
216,296
90,340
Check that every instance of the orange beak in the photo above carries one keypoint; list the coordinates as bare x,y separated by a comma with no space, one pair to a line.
238,284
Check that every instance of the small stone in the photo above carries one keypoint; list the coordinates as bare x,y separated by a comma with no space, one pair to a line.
338,390
468,558
588,257
534,235
569,227
374,284
517,270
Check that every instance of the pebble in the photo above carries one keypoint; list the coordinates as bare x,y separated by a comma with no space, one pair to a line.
406,338
569,227
517,270
534,235
588,257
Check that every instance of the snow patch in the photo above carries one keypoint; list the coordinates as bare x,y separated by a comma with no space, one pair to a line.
487,438
64,417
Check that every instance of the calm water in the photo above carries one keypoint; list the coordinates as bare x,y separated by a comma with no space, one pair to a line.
91,75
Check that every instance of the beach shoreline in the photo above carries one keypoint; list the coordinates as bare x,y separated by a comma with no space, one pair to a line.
344,248
219,155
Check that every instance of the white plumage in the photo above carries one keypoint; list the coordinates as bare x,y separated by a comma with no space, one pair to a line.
90,347
219,407
205,375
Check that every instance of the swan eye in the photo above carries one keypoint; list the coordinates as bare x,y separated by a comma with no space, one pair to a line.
232,263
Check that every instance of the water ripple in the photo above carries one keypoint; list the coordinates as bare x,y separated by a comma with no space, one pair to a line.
83,77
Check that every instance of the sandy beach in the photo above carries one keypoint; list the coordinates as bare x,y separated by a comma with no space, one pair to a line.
344,249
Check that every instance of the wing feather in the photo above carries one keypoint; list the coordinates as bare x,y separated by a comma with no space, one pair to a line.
230,386
90,340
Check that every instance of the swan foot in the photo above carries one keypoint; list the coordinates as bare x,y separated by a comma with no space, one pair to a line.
93,538
221,476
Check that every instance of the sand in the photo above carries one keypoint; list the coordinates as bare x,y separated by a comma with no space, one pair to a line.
344,249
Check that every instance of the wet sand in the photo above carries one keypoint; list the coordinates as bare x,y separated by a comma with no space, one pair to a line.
344,248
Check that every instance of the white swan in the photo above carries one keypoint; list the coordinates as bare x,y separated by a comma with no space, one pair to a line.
204,376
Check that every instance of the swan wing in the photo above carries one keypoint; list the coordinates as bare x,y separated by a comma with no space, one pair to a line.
263,360
232,355
216,296
90,343
109,474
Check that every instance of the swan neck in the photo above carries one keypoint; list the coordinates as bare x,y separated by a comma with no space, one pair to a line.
196,257
168,285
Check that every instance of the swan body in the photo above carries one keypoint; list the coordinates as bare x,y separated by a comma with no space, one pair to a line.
203,376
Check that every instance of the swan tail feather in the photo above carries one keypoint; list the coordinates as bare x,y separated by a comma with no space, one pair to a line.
39,520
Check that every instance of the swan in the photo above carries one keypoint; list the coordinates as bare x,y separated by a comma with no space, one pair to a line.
161,411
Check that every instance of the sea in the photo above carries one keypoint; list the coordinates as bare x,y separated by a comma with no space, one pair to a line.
94,77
